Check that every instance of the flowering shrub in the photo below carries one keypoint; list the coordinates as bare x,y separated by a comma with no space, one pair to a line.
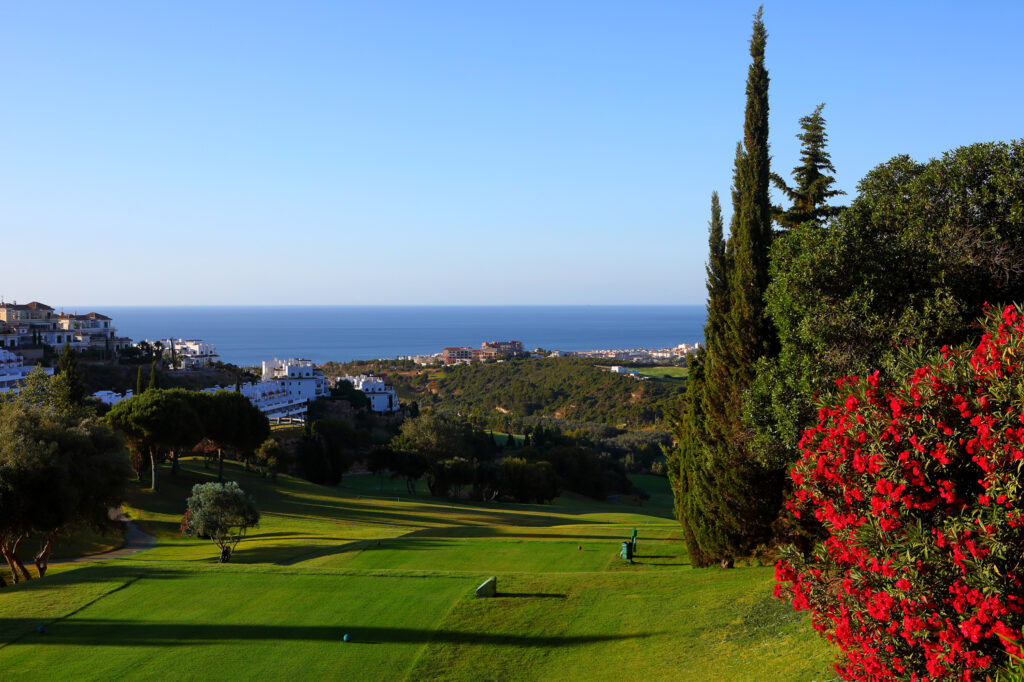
917,486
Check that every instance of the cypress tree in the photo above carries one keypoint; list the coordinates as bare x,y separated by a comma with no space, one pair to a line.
67,365
727,500
717,368
809,198
138,382
154,377
690,472
751,334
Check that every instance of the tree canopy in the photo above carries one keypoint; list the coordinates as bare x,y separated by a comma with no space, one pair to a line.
156,422
222,512
912,261
809,197
55,469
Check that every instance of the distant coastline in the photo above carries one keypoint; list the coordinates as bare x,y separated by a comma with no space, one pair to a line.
247,335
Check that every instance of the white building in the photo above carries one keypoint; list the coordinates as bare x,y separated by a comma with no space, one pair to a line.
287,386
383,398
112,397
13,371
423,359
285,390
191,353
32,324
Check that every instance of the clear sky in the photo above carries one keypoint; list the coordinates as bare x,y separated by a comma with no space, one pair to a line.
442,152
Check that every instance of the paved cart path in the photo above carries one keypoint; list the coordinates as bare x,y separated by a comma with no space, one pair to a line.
135,540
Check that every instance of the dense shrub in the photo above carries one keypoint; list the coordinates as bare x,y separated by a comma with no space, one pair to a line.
528,481
916,484
915,256
327,448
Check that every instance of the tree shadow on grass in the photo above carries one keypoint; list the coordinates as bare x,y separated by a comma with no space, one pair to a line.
508,533
531,595
390,544
95,573
284,554
417,512
117,633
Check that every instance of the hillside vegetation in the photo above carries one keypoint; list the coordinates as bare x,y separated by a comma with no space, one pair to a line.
571,389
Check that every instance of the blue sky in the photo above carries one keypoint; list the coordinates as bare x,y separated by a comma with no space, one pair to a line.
442,152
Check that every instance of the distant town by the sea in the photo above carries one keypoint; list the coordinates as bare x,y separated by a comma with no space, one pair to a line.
247,335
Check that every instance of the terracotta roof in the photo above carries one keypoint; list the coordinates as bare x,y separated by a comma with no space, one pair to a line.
87,316
34,305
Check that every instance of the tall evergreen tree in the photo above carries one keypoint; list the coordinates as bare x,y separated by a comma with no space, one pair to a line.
751,332
727,500
67,366
690,473
154,377
138,382
809,197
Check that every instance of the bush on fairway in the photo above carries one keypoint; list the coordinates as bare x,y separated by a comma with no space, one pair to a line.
222,512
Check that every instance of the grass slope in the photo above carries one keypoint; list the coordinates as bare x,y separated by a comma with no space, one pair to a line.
567,608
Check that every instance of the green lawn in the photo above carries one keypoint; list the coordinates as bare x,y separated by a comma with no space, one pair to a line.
567,609
664,373
502,438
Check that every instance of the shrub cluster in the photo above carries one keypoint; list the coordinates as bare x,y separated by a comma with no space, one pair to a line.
915,483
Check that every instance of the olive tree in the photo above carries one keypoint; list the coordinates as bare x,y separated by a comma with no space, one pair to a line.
222,512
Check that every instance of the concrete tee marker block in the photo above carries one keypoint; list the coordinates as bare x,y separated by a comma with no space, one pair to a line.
489,588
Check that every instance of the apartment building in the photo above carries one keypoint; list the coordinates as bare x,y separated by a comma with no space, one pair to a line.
383,398
454,355
13,371
31,325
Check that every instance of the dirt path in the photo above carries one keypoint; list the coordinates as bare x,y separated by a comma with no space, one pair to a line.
135,540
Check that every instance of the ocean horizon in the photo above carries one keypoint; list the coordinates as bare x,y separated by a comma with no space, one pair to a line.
247,335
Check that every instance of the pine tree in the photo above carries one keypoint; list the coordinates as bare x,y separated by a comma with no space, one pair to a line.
154,377
138,382
813,188
726,500
68,368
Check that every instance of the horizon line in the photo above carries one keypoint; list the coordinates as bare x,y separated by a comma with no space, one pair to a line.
387,305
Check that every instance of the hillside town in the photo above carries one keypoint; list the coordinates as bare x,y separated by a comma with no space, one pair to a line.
497,350
284,388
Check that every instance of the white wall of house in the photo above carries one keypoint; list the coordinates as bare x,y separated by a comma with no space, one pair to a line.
13,371
383,398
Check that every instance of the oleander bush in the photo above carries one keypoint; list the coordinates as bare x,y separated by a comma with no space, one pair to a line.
915,483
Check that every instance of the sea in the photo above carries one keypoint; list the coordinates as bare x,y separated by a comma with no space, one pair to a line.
247,335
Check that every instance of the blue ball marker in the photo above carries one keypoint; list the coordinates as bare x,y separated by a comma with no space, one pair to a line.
345,638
